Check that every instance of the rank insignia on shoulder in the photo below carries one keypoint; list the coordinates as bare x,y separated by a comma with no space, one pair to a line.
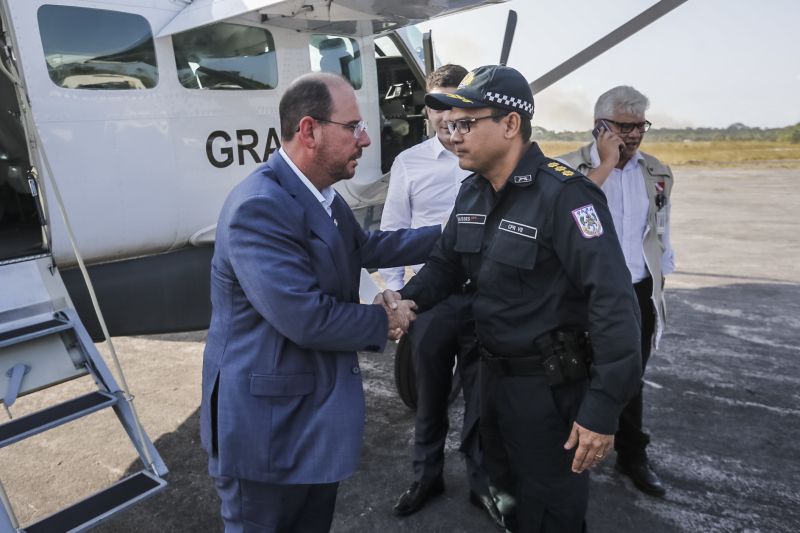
588,222
564,170
527,178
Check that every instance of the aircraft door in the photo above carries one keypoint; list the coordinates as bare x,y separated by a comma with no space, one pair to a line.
20,225
401,89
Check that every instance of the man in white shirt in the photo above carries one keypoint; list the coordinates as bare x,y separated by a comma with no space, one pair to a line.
425,180
638,188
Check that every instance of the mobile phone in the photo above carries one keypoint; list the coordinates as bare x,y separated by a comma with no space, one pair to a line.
601,125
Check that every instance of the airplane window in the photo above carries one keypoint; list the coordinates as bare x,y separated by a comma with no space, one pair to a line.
97,49
226,56
340,55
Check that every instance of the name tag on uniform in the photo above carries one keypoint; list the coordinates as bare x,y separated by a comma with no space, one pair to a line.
518,229
469,218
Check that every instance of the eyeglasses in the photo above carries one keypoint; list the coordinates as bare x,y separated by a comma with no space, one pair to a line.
463,125
358,128
627,127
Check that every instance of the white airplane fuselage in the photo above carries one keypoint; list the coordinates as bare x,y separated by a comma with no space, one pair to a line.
144,162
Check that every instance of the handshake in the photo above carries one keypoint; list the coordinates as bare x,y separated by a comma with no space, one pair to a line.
399,312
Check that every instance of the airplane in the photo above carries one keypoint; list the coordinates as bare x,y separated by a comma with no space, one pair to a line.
124,125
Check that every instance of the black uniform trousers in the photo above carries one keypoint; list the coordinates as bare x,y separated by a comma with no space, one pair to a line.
524,424
437,336
253,507
631,441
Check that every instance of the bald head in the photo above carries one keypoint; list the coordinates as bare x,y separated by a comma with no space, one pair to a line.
308,96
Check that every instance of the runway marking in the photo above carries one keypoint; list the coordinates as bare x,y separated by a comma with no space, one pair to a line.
741,403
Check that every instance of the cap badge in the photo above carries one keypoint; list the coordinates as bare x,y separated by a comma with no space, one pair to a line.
467,80
459,97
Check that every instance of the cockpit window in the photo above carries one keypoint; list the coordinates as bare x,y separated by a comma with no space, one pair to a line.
97,49
340,55
226,56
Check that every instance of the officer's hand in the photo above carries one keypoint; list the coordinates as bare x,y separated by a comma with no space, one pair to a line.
609,146
592,447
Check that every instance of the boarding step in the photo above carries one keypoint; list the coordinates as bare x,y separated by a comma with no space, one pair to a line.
101,505
26,426
27,332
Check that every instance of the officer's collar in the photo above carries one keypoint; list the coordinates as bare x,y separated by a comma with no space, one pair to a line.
525,172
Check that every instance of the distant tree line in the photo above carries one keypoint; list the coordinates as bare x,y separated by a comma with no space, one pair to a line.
734,132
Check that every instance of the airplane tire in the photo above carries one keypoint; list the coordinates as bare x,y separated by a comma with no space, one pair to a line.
405,376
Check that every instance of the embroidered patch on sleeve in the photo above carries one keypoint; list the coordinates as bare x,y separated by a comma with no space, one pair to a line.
588,221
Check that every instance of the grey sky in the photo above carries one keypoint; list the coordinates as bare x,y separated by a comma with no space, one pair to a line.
707,63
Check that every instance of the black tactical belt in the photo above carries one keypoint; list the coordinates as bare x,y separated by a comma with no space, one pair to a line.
513,366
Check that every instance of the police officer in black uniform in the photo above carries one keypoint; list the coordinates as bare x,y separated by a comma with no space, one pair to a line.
555,313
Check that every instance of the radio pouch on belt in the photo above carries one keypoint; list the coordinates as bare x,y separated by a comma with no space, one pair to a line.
573,363
552,370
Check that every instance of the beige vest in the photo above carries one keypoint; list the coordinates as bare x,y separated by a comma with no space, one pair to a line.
655,174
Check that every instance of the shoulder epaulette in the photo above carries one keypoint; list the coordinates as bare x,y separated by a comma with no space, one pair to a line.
559,170
471,178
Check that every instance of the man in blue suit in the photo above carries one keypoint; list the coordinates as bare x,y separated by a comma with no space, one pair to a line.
282,411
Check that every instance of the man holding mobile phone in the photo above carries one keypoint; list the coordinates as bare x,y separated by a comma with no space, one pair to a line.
637,187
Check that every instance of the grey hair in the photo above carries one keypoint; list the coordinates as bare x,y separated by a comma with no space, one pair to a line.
622,99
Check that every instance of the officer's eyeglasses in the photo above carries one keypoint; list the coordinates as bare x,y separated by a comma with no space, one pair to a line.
627,127
463,125
358,128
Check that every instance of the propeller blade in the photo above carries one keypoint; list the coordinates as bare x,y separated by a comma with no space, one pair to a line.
511,25
638,22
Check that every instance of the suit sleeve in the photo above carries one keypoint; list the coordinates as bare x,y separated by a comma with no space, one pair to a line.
595,264
269,254
396,248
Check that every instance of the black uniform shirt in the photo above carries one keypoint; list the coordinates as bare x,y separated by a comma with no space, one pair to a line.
542,254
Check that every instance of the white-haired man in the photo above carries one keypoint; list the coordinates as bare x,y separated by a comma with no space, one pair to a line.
638,187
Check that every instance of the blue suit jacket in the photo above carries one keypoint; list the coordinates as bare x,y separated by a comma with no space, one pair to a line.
282,395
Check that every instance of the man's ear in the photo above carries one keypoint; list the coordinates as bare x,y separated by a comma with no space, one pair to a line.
306,133
513,125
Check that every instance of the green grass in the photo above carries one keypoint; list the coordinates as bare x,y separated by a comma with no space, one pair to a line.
707,153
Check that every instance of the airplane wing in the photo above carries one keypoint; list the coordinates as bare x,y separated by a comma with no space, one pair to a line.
342,17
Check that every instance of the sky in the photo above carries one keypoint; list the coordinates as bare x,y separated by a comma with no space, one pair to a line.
708,63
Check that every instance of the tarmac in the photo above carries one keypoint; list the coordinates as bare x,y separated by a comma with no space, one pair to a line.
722,400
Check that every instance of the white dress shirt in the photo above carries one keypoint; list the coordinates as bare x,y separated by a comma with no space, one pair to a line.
424,183
628,202
325,196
